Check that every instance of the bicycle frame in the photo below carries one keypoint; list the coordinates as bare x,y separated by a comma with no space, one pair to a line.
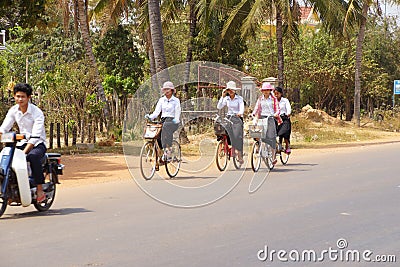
228,149
152,148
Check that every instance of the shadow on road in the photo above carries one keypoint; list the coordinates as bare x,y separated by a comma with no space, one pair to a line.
51,212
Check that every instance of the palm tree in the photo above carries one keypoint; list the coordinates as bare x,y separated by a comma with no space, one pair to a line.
286,14
157,38
83,23
359,16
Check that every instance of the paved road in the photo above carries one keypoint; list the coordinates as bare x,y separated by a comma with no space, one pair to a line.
318,199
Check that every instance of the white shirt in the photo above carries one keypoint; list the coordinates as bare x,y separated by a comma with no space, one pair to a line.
30,123
267,106
235,105
168,108
284,106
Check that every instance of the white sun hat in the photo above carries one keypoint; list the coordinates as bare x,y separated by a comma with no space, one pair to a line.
231,85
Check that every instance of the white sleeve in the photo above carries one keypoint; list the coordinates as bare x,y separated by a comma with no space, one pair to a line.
221,103
241,106
288,107
38,126
177,111
157,111
8,122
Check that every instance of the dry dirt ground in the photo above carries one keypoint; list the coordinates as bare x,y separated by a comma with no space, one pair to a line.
93,168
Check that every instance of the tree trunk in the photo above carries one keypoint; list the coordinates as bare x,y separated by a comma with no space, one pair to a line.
279,44
74,134
157,39
358,71
189,53
83,130
348,107
89,53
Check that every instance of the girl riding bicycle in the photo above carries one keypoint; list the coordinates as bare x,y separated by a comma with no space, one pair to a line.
285,128
170,108
235,105
267,106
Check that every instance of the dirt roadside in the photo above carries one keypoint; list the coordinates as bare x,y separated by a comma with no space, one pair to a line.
102,168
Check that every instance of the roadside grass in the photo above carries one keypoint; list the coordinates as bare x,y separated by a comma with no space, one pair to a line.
309,134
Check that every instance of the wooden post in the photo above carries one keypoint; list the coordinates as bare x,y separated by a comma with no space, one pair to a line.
65,134
51,135
58,135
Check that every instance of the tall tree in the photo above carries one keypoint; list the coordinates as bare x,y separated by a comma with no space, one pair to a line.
359,16
285,12
83,23
157,38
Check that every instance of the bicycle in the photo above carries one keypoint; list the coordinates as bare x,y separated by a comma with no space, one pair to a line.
151,154
224,151
283,156
260,150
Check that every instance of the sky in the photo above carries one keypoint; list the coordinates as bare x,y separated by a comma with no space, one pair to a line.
391,11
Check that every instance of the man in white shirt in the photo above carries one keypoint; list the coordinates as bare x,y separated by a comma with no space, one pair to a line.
30,121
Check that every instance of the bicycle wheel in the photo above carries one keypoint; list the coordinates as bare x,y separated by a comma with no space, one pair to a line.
255,159
268,158
148,160
173,164
284,157
221,157
236,162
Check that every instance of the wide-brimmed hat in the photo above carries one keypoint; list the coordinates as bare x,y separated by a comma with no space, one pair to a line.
267,86
168,85
231,85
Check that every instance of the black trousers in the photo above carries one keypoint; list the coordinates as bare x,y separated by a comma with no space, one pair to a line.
35,158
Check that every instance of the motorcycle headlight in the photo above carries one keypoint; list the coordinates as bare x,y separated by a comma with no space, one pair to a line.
8,137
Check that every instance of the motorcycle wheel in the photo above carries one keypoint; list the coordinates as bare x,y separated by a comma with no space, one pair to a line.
3,198
50,183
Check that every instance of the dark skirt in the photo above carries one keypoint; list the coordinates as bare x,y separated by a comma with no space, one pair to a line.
235,132
167,132
270,135
285,129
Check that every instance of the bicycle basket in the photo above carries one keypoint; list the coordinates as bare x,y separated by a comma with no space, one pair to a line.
219,129
256,131
152,131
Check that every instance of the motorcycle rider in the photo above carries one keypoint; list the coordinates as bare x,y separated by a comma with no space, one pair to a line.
30,121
